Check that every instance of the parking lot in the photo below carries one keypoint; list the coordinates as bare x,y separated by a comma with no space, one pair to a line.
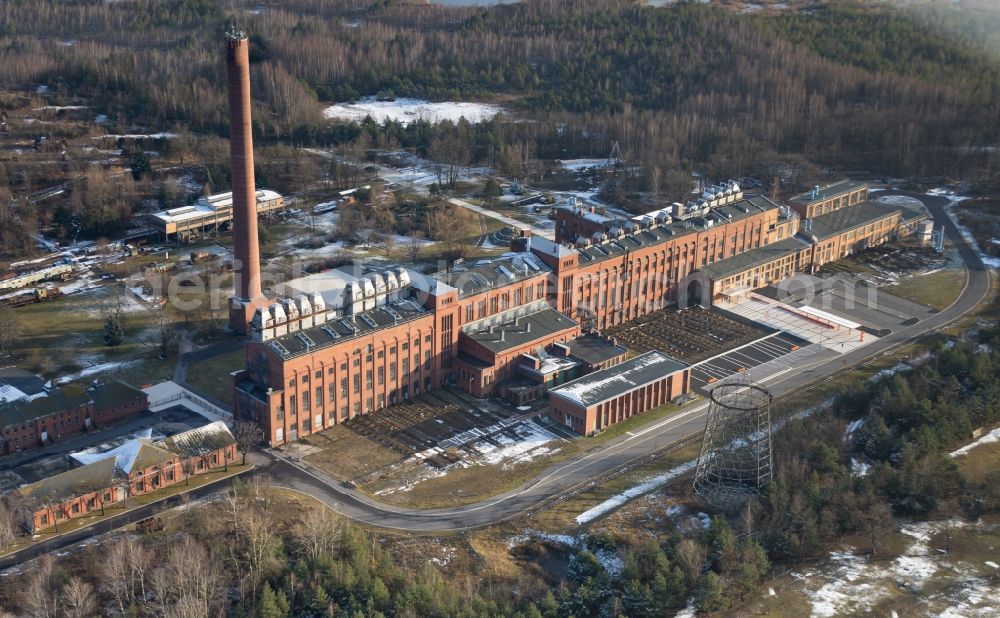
845,295
741,360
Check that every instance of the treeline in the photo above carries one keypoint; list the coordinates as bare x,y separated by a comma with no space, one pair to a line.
682,87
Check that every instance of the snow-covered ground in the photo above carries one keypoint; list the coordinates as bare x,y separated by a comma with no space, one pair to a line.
988,260
492,445
94,370
406,111
848,583
579,165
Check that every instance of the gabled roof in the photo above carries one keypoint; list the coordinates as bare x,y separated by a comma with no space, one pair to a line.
202,440
137,454
70,484
849,218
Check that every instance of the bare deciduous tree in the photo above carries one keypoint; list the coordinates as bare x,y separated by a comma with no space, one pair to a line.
39,593
246,434
187,583
124,572
78,599
320,532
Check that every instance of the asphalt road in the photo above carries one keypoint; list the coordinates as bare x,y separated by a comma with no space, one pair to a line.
566,475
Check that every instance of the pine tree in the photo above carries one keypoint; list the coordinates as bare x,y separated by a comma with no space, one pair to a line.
710,597
114,334
268,605
582,566
320,602
753,565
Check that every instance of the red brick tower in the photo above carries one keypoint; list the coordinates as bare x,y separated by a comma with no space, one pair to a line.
248,294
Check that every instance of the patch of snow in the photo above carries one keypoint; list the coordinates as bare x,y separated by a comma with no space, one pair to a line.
96,369
851,589
900,200
991,437
578,165
891,371
406,111
642,488
611,562
142,136
688,611
859,468
59,108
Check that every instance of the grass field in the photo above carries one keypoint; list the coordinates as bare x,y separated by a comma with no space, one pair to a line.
462,486
937,290
66,335
465,485
211,376
979,462
347,455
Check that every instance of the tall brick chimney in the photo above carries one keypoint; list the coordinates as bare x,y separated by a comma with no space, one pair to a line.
246,251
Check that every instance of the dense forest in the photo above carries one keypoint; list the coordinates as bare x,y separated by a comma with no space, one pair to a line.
881,90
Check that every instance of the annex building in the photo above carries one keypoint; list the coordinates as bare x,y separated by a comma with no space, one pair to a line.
350,342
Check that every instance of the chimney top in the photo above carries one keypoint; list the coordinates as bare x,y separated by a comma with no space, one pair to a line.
235,35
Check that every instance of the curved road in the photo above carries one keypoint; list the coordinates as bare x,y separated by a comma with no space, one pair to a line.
568,474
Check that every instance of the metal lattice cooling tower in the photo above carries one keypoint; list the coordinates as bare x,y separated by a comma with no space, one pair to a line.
735,460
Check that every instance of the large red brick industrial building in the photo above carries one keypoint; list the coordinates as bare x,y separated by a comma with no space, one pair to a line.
353,342
349,342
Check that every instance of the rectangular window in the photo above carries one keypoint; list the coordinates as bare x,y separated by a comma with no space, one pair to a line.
481,309
291,404
427,360
368,379
332,392
392,372
357,383
406,366
468,313
305,401
319,396
381,376
343,387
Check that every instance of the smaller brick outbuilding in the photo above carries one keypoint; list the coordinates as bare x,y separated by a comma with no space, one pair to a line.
611,395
